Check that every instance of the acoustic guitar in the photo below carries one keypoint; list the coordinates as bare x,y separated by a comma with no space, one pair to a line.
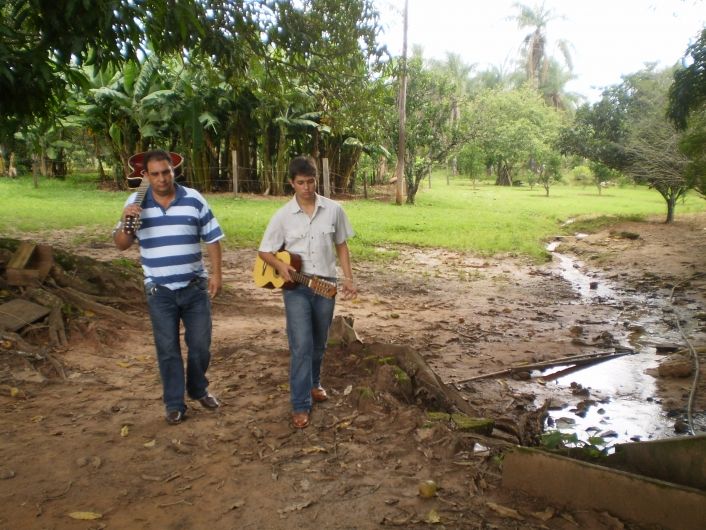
136,180
267,276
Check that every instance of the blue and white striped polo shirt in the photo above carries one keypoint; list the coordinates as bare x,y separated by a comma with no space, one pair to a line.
170,240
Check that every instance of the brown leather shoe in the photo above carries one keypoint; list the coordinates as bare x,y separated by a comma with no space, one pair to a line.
174,417
318,394
300,419
209,401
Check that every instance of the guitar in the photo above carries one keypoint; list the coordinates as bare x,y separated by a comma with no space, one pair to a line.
132,222
267,276
136,180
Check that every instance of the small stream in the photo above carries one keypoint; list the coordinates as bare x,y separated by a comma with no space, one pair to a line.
614,399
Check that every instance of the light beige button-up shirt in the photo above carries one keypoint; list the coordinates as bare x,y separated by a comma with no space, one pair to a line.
314,238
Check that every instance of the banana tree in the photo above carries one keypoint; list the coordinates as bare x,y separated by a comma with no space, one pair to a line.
133,107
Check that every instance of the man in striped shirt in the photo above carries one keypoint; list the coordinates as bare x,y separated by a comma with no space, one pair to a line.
174,221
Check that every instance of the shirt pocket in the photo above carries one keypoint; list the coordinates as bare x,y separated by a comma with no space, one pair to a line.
323,241
294,236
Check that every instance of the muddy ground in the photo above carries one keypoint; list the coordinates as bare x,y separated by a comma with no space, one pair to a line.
94,439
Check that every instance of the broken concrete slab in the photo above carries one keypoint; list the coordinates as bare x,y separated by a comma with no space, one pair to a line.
678,460
583,485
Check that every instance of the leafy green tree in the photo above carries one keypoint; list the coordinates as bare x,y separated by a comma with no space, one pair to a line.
652,144
330,48
133,107
471,161
458,75
628,131
41,41
432,136
548,171
687,110
598,131
693,145
267,80
495,78
514,129
687,93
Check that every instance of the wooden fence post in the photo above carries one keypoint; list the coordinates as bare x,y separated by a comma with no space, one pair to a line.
327,178
234,154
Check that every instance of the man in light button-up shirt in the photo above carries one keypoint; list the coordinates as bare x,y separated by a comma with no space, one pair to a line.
316,229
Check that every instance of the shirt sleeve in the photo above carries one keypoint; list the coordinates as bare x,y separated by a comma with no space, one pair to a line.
210,229
344,230
273,239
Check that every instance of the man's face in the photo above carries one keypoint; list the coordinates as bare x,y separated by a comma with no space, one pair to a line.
304,186
161,176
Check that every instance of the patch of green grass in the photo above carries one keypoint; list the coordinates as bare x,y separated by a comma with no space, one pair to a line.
486,220
595,223
57,204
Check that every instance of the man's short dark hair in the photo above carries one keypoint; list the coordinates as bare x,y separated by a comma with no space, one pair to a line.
156,154
302,165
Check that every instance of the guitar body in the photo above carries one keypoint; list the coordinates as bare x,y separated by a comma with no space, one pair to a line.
136,165
266,276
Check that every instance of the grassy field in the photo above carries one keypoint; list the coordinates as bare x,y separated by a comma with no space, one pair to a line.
488,219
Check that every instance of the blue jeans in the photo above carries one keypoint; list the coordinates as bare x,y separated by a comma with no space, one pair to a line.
192,306
309,317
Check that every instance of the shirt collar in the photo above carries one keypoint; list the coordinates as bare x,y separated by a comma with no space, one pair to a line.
179,193
295,208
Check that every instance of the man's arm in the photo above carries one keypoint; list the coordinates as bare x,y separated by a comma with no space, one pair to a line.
215,276
280,266
344,258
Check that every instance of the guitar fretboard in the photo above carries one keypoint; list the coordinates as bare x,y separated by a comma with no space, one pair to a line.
319,286
142,191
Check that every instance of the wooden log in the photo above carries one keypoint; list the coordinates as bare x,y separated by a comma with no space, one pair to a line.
85,303
21,256
427,386
577,360
30,264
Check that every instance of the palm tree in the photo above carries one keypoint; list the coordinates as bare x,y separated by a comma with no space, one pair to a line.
534,45
552,87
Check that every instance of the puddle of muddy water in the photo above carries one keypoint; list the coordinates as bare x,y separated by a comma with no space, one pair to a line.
623,405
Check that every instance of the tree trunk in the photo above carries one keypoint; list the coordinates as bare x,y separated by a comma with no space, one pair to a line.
280,171
504,176
347,171
402,112
671,205
11,169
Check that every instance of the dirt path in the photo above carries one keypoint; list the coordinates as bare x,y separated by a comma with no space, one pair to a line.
97,441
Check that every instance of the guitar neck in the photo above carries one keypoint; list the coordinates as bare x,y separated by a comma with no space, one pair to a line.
142,191
319,286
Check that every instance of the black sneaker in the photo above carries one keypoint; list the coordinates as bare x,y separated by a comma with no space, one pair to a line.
174,417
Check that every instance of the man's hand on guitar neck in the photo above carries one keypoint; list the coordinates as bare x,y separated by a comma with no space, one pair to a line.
122,238
131,210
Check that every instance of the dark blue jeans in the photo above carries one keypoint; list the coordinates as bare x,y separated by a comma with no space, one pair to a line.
309,317
192,306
